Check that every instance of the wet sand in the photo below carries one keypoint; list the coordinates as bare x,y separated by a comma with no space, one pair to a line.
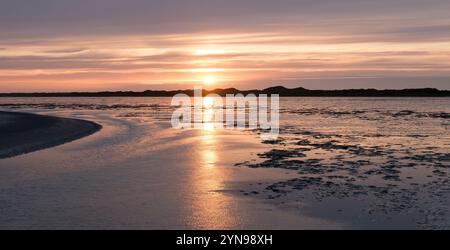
138,173
23,133
374,164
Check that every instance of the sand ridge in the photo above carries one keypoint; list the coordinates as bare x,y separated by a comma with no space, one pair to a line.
22,133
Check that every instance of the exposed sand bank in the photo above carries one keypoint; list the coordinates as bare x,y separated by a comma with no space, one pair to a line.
140,174
22,133
338,164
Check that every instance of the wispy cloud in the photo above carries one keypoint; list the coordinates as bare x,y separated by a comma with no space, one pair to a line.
56,45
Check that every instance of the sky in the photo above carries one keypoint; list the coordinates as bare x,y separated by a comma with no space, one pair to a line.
92,45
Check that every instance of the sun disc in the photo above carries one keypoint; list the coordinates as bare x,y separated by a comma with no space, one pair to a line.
209,80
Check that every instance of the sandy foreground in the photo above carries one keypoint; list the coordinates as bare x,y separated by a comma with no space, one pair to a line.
23,133
361,168
136,174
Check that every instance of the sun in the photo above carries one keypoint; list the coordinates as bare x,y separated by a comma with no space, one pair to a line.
209,80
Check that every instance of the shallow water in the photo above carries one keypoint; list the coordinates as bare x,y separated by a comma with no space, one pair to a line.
339,163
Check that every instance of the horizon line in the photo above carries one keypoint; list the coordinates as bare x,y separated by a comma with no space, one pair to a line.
218,89
280,90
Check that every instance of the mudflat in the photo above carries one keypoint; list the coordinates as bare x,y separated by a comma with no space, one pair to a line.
22,133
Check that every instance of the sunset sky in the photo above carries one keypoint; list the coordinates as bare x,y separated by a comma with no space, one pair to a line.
90,45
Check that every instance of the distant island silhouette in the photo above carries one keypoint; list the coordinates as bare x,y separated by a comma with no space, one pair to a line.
282,91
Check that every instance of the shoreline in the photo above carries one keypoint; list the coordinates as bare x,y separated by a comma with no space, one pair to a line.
279,90
338,164
24,133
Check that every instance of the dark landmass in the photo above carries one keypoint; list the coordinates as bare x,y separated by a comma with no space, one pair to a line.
22,133
282,91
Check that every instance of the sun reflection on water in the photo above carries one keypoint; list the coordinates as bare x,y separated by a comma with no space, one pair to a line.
209,114
212,210
208,148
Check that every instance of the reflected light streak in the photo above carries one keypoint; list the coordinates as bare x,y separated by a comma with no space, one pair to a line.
211,210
